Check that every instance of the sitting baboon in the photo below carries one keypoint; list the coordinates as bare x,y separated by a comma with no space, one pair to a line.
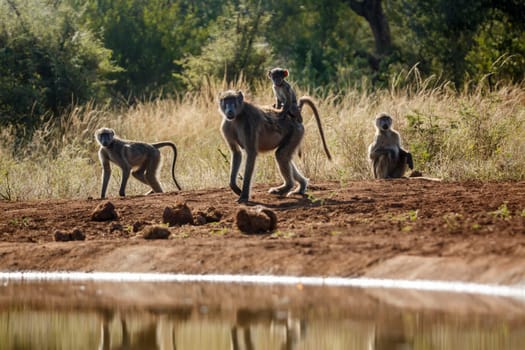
386,156
143,158
254,129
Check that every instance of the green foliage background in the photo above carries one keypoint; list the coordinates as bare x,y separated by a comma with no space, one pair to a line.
54,54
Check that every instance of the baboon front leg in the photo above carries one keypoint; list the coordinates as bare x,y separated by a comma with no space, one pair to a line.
234,170
106,173
125,176
248,172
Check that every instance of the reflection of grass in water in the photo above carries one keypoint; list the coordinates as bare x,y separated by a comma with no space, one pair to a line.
456,136
42,330
325,326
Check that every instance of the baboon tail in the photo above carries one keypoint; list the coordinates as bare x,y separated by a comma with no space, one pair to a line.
174,148
307,100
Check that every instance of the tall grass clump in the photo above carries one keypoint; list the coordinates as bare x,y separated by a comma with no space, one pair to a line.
471,134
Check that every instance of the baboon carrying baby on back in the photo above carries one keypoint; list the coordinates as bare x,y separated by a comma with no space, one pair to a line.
254,129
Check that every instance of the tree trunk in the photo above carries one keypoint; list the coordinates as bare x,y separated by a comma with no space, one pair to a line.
372,11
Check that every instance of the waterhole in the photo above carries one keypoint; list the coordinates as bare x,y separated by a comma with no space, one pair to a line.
142,313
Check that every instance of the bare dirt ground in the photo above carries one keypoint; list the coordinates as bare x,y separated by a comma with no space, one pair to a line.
469,231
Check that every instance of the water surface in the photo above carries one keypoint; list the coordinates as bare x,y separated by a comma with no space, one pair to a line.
87,314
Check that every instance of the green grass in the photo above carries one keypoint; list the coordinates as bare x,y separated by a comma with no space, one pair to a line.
453,135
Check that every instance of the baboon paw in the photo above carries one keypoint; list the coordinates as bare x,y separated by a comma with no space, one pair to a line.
275,190
296,192
279,190
236,189
243,200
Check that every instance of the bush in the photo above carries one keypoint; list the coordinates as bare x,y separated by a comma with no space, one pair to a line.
47,63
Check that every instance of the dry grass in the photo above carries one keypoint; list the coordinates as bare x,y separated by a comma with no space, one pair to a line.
455,136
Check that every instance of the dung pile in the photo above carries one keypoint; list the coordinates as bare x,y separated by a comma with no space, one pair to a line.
105,211
155,232
178,215
76,235
256,220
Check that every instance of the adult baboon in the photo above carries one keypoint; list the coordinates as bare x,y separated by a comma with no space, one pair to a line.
254,129
143,158
386,156
285,96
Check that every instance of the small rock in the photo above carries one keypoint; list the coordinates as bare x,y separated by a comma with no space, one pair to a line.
105,211
212,215
199,220
155,232
115,227
178,215
139,225
257,220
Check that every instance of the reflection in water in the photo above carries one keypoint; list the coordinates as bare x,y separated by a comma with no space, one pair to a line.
235,316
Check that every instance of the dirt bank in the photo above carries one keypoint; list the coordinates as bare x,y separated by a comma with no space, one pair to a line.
473,231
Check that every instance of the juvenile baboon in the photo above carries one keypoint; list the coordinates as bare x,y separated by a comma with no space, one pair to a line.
253,129
143,158
386,156
285,97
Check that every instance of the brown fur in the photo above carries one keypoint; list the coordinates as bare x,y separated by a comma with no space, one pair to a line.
254,129
387,157
143,158
285,96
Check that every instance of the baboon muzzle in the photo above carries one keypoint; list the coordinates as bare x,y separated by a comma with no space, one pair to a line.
230,114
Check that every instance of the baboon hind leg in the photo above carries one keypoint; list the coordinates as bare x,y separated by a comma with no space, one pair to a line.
151,174
283,159
400,166
382,166
303,181
139,174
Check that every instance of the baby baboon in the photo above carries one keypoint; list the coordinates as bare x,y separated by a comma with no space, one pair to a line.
386,156
254,129
285,97
143,158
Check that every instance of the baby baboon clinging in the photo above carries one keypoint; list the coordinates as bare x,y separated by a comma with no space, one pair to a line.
386,156
254,129
143,158
285,97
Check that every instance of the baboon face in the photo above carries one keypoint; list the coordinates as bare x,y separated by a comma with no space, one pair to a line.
230,104
277,75
104,136
383,122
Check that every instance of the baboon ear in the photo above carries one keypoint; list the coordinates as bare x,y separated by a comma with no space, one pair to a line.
270,74
285,73
241,96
